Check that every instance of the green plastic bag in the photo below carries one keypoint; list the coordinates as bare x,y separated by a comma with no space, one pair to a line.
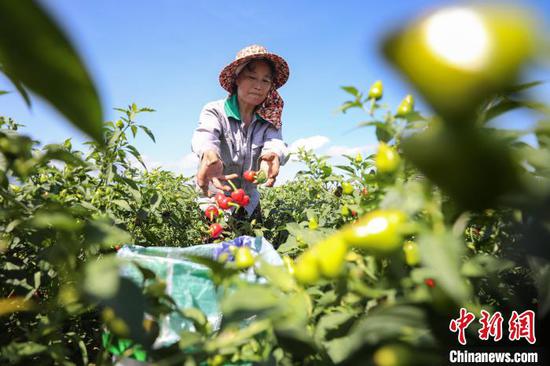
189,283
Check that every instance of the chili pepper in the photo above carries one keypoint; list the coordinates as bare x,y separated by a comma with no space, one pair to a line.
377,231
406,106
215,230
331,255
219,196
244,258
345,211
249,176
238,195
412,255
430,282
245,201
376,90
211,212
289,264
387,159
306,270
226,203
347,188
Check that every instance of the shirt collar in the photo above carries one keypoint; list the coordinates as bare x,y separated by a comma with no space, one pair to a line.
232,108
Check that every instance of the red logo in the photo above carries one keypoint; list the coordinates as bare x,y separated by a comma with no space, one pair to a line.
461,324
519,325
491,326
522,326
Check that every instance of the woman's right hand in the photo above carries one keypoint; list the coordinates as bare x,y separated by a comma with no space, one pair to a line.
211,170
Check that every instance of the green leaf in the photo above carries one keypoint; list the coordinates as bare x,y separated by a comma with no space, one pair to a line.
383,325
384,133
524,86
414,116
348,105
540,269
132,150
20,88
135,194
35,51
289,246
128,304
295,340
155,201
122,204
278,276
55,220
197,317
330,323
482,265
106,234
248,301
57,152
101,277
219,270
442,253
189,339
462,162
346,168
127,181
147,131
410,197
145,272
351,90
114,137
370,123
230,338
134,130
17,350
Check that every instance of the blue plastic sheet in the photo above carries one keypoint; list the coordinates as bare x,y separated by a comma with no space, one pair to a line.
189,283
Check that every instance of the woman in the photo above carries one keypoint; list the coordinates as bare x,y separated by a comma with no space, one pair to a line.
243,131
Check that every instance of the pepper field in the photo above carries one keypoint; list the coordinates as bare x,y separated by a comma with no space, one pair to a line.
381,254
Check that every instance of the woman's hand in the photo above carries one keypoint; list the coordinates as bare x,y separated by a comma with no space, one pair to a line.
270,164
211,170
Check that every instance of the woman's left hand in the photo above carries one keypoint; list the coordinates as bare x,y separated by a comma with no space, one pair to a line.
270,164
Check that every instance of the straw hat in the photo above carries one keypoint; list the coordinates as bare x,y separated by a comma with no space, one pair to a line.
229,73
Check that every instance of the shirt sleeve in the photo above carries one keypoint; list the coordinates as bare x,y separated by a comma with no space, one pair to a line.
274,143
207,134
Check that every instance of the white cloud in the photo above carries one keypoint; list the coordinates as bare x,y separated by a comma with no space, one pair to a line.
312,142
288,172
338,150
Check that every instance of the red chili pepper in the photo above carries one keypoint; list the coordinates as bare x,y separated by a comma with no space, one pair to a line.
219,196
226,203
215,230
211,212
430,282
245,201
238,195
249,176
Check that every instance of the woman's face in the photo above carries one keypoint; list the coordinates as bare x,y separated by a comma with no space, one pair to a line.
254,82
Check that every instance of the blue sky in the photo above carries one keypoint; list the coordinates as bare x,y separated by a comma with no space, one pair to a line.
168,54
